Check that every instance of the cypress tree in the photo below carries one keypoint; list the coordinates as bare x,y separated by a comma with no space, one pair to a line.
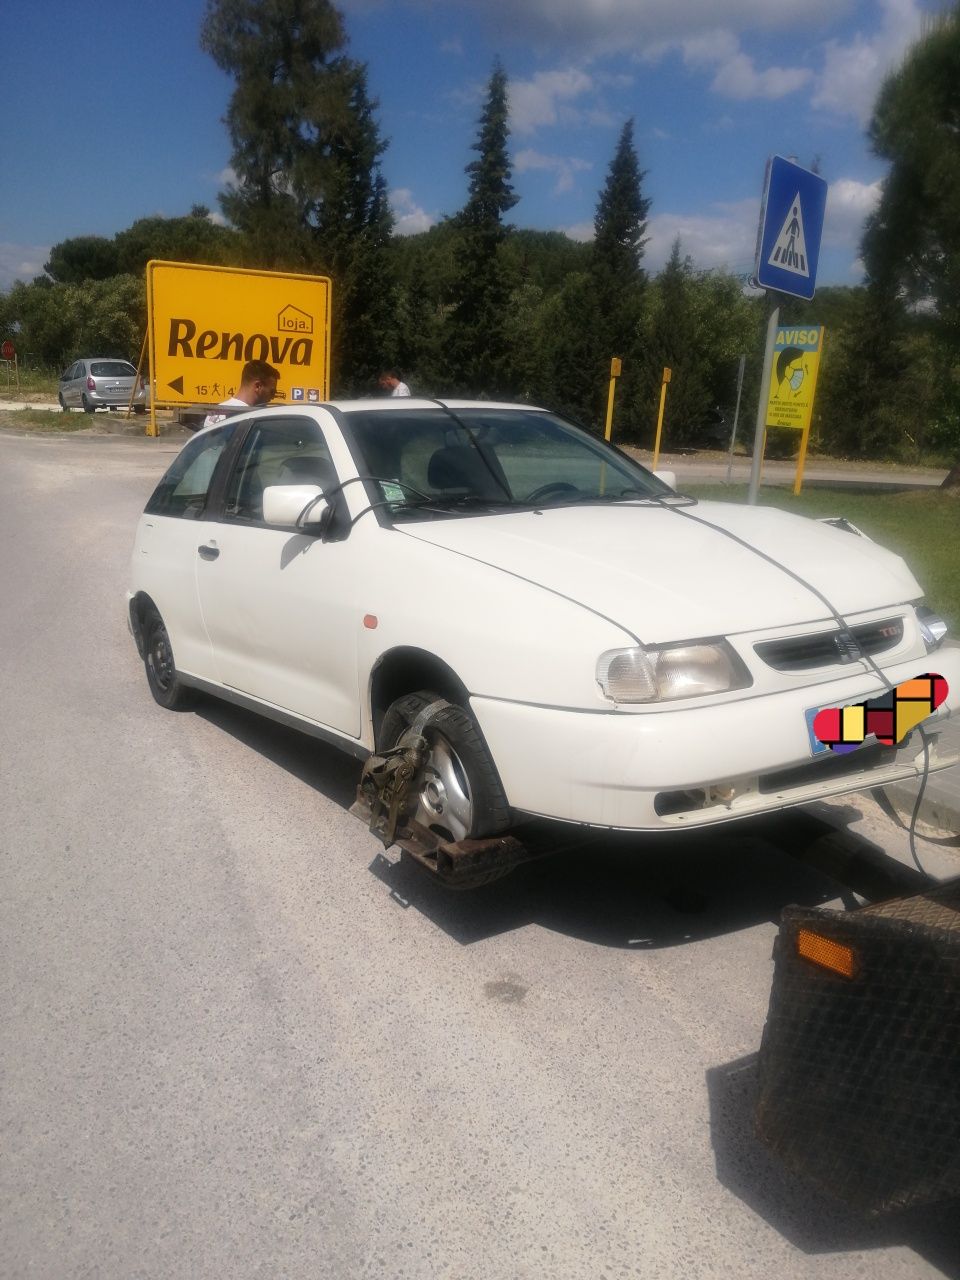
478,347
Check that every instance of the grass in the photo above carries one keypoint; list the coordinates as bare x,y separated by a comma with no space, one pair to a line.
921,526
42,420
35,384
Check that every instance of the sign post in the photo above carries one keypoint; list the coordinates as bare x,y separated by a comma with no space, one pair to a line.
788,253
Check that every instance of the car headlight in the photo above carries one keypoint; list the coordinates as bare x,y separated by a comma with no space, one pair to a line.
932,627
669,672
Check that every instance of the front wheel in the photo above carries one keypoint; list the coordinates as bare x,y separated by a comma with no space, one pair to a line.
162,677
461,796
63,405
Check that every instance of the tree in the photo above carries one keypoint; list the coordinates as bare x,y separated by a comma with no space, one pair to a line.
618,278
478,348
82,258
352,230
911,245
59,322
306,148
191,239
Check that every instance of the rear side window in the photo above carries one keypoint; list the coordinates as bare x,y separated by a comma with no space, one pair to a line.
112,369
183,490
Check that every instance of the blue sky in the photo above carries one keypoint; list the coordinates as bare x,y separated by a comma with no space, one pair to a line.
111,112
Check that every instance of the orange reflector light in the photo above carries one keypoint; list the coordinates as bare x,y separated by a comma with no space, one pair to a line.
826,953
370,621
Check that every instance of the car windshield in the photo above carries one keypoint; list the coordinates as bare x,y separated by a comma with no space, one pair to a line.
111,369
492,458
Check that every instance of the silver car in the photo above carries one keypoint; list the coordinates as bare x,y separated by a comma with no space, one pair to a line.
100,383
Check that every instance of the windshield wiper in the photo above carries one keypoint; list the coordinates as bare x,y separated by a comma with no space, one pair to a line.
625,495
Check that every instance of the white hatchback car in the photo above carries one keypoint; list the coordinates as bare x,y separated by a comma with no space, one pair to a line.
570,636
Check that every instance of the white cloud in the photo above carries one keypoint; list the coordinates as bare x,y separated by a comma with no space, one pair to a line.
216,218
227,177
589,27
21,262
736,75
544,99
852,73
409,218
454,46
563,166
582,231
848,204
739,78
724,238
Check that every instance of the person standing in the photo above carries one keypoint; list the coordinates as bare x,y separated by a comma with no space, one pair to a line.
258,385
392,383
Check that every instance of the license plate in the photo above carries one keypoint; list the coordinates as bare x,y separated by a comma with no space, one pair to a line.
817,748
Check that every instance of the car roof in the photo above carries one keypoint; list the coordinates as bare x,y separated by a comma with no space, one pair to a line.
377,404
381,404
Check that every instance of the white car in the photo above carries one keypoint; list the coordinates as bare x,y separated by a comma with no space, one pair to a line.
569,636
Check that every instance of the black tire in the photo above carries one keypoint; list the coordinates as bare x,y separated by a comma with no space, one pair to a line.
65,408
459,755
87,406
139,408
165,684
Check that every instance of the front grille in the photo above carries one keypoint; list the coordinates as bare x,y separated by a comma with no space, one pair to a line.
830,648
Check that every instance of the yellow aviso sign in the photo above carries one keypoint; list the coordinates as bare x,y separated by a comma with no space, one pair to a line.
205,323
793,378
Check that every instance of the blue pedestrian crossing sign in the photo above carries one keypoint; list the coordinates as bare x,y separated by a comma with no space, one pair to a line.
791,226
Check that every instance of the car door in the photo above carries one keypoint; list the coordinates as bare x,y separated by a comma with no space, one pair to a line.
172,529
68,386
280,606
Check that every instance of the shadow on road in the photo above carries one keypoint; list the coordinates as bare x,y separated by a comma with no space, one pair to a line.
809,1220
614,889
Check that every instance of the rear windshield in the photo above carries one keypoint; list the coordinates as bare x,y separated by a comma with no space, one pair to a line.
112,369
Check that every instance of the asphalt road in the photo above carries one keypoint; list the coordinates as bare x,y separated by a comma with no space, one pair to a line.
240,1042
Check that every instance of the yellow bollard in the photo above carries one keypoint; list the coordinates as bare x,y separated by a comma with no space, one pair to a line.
667,375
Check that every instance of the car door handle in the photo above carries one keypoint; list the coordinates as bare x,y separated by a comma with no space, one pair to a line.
208,552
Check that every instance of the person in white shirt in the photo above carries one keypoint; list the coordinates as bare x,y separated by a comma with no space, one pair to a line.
258,385
390,381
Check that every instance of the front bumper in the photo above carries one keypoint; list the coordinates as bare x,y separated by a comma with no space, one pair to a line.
687,766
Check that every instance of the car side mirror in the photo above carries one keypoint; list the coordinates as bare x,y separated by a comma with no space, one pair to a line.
284,504
667,477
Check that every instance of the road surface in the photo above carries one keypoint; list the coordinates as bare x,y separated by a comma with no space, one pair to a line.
239,1041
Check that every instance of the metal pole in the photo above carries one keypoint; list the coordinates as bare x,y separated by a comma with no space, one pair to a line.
761,427
736,414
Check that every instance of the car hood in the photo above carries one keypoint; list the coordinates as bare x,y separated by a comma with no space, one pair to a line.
664,577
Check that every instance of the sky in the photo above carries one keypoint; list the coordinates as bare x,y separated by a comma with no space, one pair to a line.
111,112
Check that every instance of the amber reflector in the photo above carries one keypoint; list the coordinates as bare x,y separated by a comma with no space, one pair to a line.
827,954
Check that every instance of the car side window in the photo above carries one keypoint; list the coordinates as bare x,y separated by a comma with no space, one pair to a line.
183,490
277,451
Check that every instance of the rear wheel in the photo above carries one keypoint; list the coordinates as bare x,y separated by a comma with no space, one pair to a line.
165,684
460,795
87,406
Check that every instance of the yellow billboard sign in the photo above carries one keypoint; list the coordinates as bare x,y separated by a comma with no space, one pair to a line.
793,378
205,323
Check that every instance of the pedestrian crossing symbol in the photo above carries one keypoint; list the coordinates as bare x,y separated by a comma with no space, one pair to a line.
791,228
790,248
